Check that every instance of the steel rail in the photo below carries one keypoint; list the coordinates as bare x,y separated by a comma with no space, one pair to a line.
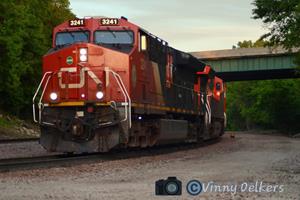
18,140
9,164
58,160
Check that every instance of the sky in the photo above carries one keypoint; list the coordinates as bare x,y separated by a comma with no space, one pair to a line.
188,25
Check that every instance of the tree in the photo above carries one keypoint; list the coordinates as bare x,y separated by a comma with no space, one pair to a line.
268,104
25,36
250,44
283,20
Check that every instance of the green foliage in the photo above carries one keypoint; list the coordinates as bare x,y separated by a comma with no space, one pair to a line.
250,44
8,123
271,104
25,35
282,17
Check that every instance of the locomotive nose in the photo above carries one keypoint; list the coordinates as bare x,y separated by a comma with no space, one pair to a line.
71,56
80,74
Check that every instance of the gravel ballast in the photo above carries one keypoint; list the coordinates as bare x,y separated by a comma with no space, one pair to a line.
249,158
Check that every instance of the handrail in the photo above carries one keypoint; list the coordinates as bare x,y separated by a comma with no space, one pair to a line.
40,101
207,108
36,93
125,94
225,120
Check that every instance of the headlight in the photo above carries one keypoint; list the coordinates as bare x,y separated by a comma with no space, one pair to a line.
83,58
83,51
99,95
53,96
83,54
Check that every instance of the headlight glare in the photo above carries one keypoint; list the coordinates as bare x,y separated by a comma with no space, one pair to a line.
83,51
83,58
53,96
99,95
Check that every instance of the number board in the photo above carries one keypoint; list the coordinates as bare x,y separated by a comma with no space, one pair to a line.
76,22
109,21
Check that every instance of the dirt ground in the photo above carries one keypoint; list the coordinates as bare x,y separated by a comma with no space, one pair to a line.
22,149
270,160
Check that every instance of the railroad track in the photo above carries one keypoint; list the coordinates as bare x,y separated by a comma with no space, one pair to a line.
18,140
10,164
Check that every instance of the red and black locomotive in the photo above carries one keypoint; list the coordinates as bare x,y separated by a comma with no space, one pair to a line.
108,83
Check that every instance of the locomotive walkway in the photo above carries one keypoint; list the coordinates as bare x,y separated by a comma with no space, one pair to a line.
251,63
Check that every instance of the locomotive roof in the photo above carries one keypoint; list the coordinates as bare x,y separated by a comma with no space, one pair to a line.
185,59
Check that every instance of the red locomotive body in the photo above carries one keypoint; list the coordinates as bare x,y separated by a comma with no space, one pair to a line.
107,84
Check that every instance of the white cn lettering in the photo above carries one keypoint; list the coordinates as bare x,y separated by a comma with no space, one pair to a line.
82,77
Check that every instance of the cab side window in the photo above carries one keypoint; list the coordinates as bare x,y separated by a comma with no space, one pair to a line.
218,86
143,42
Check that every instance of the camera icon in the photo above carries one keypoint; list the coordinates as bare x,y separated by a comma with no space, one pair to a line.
169,186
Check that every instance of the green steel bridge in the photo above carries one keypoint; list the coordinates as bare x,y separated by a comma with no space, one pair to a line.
251,63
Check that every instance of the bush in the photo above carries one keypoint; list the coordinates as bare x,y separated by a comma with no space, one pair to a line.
272,104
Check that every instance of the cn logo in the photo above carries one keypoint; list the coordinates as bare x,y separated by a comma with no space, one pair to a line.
82,77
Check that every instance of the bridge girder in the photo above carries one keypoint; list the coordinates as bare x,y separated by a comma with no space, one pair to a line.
251,63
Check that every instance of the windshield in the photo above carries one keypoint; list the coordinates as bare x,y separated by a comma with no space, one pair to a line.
116,40
65,38
113,37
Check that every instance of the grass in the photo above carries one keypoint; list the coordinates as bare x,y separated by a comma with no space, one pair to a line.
12,127
8,123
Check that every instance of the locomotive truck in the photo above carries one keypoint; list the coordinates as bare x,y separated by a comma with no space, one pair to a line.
108,83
